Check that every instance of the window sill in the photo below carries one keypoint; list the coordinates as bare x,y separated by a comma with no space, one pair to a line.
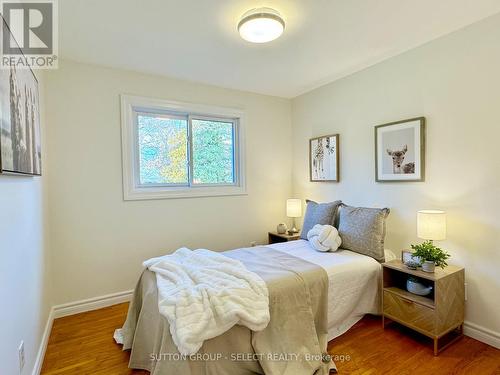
182,192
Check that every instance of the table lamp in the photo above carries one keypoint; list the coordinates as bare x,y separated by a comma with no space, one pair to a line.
431,225
293,210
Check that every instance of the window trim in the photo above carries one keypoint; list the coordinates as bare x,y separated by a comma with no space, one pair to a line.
133,191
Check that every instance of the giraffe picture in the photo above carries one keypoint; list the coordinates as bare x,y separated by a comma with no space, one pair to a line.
400,150
324,158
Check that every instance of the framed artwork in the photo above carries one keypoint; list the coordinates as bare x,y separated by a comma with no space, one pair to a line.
400,151
324,158
20,146
407,255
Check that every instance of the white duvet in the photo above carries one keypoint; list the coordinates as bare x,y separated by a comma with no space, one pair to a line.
203,294
354,283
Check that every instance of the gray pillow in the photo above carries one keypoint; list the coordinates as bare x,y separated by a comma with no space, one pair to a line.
318,213
363,230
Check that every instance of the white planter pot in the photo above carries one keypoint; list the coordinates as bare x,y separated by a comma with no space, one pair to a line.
428,266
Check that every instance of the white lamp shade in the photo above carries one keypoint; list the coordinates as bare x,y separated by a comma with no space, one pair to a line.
294,207
431,225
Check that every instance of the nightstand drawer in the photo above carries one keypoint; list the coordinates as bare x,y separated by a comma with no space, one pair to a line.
409,313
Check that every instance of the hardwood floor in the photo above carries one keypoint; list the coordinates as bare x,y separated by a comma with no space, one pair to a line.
83,344
398,350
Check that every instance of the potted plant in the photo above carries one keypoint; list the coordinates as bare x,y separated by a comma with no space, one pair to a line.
430,255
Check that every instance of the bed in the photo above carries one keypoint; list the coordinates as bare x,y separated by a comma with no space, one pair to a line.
345,286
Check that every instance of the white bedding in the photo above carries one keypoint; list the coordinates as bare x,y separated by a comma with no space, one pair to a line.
354,283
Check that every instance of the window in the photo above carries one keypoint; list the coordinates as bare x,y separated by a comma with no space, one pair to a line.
162,149
173,150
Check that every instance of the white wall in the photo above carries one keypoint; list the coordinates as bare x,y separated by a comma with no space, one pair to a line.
454,82
24,263
98,240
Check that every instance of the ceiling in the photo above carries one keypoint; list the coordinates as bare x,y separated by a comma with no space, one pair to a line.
197,40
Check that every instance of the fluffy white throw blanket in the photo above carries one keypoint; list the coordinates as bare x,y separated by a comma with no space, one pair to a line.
324,238
203,294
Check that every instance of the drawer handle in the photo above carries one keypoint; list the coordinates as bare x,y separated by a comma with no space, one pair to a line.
408,302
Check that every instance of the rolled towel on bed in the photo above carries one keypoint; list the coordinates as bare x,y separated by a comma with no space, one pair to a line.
324,238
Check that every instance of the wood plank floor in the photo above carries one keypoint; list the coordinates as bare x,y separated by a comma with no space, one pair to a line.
400,351
83,344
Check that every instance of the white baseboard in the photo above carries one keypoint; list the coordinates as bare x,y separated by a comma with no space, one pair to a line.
37,368
482,334
91,304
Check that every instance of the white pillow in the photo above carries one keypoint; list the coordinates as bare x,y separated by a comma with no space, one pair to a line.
324,238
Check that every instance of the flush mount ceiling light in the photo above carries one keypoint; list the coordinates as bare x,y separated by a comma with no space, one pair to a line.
261,25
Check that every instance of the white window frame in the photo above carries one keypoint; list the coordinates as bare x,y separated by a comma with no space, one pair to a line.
133,190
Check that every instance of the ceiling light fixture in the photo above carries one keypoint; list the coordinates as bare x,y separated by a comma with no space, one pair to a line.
261,25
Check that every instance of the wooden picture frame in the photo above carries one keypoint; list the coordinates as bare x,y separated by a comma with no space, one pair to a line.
400,151
324,163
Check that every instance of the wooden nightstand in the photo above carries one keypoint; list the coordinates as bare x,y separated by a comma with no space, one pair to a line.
439,315
276,237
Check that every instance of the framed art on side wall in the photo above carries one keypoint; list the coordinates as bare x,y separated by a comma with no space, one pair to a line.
20,146
400,151
324,158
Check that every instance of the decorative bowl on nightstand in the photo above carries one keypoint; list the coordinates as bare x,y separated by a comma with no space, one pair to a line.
416,287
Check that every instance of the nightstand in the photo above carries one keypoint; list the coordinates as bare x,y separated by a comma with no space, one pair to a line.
276,237
440,315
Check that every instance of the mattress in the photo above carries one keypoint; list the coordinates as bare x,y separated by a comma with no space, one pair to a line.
354,283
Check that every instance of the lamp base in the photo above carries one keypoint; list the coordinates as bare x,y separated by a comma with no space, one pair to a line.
293,231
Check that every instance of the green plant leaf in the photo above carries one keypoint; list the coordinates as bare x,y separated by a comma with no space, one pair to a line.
427,251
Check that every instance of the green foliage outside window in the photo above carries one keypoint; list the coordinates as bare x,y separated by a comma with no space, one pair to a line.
212,152
163,155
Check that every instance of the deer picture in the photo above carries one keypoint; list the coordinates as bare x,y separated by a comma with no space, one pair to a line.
397,161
